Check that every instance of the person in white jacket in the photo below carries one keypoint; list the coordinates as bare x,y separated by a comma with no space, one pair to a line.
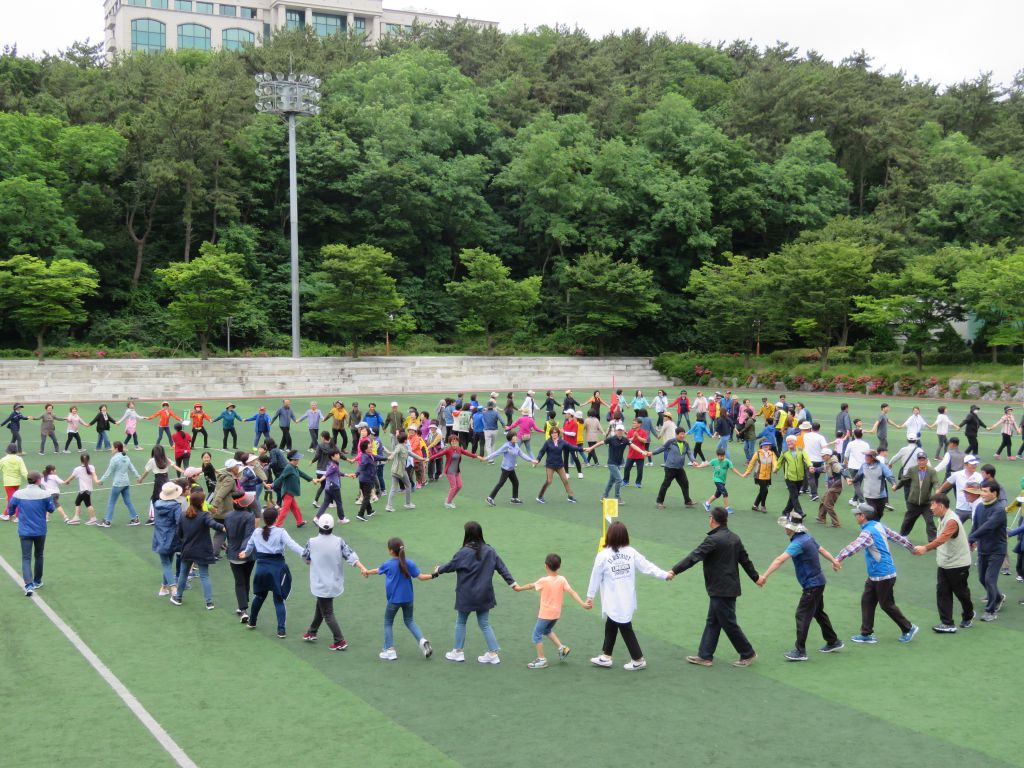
614,574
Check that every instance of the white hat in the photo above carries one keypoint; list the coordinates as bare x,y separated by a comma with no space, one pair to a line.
970,459
394,404
805,425
530,392
433,425
245,500
826,451
791,438
232,463
569,412
325,521
192,472
170,491
792,525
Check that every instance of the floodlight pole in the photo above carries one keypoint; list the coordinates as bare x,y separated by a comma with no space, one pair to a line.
290,96
293,203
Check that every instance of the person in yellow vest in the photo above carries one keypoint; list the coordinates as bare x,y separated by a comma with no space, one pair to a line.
339,426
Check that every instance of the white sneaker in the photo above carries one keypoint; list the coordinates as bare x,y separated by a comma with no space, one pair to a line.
633,666
449,506
389,509
489,658
388,654
454,655
408,506
579,475
601,661
425,648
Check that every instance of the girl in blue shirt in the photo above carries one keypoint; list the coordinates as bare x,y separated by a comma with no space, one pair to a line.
699,430
398,574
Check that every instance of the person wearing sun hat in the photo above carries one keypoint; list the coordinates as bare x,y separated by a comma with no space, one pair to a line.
763,464
220,500
166,544
874,539
833,470
805,551
262,426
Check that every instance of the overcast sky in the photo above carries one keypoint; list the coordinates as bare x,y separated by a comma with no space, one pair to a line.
944,41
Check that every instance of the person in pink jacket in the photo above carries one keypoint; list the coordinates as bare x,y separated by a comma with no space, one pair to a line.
525,426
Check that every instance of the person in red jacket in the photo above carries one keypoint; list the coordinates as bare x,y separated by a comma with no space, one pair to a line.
182,446
571,435
452,466
199,416
165,414
635,457
682,405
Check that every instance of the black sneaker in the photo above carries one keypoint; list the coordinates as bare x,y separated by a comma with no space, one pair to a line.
151,521
301,524
134,521
371,513
572,499
516,501
968,623
490,501
795,655
360,518
944,629
830,647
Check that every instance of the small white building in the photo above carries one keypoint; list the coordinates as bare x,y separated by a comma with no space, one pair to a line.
159,25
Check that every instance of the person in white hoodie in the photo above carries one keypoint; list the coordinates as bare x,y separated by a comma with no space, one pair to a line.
614,574
326,556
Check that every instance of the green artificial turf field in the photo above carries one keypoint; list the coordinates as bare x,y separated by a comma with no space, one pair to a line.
228,696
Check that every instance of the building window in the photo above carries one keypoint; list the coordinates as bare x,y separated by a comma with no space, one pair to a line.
360,25
148,35
193,36
137,2
236,39
229,10
326,25
183,5
407,29
266,32
394,29
160,5
248,13
204,7
295,19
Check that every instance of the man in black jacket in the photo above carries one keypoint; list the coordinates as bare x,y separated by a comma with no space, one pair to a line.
722,553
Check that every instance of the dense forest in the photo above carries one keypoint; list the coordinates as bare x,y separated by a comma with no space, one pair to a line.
543,190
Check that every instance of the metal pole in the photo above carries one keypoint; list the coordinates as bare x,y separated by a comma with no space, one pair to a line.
293,195
229,335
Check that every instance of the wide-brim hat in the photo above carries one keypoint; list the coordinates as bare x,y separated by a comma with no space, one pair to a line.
805,425
792,525
169,491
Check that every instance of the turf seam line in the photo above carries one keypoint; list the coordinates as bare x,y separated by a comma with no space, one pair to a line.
136,707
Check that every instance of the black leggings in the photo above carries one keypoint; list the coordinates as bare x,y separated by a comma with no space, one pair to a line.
762,492
510,475
200,431
367,490
73,436
343,434
698,450
611,628
286,439
575,457
972,443
234,438
243,577
1005,443
592,456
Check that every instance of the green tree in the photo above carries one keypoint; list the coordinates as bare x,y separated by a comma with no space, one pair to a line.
354,297
991,287
736,307
806,188
816,283
206,290
488,299
40,297
606,297
916,303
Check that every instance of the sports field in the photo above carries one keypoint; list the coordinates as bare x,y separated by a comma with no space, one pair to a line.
227,696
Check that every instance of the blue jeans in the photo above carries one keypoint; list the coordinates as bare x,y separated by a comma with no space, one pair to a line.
204,578
390,611
483,619
279,607
124,492
614,481
27,572
167,566
723,445
255,440
524,446
160,432
102,439
679,421
749,449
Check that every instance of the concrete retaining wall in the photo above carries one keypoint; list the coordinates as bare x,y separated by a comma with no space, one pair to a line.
30,381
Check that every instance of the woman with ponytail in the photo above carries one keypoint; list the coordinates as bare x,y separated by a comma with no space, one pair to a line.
196,547
271,575
398,575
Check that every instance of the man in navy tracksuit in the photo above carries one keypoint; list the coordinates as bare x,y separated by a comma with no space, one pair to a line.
31,504
989,533
286,417
262,425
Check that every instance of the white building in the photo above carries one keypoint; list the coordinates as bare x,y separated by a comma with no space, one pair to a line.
157,25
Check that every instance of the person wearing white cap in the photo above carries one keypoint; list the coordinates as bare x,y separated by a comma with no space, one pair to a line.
220,500
326,555
959,480
922,484
166,543
529,406
794,464
805,551
394,423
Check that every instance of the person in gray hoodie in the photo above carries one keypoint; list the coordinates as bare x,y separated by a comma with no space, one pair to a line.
874,477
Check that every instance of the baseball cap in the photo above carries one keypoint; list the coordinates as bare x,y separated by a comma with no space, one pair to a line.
824,451
232,463
864,509
970,459
767,442
294,455
394,404
325,522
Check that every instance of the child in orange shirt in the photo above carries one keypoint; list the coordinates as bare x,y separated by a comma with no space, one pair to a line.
552,590
418,448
